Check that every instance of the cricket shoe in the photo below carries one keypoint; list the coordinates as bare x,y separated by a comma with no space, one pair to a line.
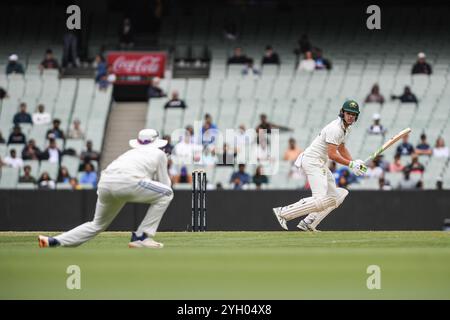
46,242
281,220
143,242
303,226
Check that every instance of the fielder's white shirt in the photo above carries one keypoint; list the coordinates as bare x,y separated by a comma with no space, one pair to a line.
334,133
142,163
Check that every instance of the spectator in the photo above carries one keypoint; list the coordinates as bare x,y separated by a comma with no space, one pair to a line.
423,148
209,130
184,150
227,157
41,117
415,166
421,66
219,186
321,62
175,101
14,66
76,132
89,154
343,182
379,162
240,178
440,150
270,57
154,90
184,176
238,57
243,138
407,183
2,140
27,177
168,148
376,127
307,64
101,68
209,157
49,61
70,49
30,151
292,152
12,160
55,132
74,184
384,185
375,96
407,96
264,124
126,36
259,178
89,176
405,148
3,93
52,152
304,45
373,171
17,136
345,172
45,182
397,165
63,175
250,69
22,116
261,150
439,184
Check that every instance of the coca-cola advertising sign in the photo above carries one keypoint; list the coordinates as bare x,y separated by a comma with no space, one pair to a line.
137,66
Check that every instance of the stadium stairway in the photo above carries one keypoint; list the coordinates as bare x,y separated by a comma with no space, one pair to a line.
125,121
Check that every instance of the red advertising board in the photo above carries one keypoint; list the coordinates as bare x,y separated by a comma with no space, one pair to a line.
136,67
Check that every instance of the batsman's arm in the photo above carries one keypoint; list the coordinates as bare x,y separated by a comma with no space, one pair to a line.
343,151
335,155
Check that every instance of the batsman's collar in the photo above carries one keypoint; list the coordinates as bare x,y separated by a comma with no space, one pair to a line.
147,137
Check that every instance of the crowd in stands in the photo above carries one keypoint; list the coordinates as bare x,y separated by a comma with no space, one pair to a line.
23,149
407,161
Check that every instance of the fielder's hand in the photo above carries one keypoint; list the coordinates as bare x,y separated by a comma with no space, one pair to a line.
358,167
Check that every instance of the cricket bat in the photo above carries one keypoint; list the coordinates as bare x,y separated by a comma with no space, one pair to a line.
388,144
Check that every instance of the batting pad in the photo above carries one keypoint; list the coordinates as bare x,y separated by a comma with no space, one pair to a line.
306,206
319,216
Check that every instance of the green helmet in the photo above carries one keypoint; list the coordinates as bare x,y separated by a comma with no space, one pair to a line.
351,106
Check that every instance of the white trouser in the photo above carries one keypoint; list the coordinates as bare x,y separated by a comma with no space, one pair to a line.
114,191
325,196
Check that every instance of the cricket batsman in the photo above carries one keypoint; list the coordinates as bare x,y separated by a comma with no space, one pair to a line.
138,175
329,144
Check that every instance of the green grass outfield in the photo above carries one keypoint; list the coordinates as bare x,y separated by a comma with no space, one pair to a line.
232,265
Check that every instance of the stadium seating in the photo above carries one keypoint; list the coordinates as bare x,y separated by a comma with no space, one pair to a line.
299,100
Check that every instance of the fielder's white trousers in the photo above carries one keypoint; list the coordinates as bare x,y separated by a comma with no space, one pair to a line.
325,195
114,191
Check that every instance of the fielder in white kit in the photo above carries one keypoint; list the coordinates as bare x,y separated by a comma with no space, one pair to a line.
139,175
329,144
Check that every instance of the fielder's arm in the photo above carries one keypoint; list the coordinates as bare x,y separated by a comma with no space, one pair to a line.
335,155
343,151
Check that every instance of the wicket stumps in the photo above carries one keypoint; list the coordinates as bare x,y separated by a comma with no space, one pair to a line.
198,222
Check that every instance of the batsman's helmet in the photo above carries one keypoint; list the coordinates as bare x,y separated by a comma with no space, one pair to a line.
350,106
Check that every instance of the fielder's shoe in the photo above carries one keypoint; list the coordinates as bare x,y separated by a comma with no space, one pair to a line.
303,226
143,242
280,219
45,242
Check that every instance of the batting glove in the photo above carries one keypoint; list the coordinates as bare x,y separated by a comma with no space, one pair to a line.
358,167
